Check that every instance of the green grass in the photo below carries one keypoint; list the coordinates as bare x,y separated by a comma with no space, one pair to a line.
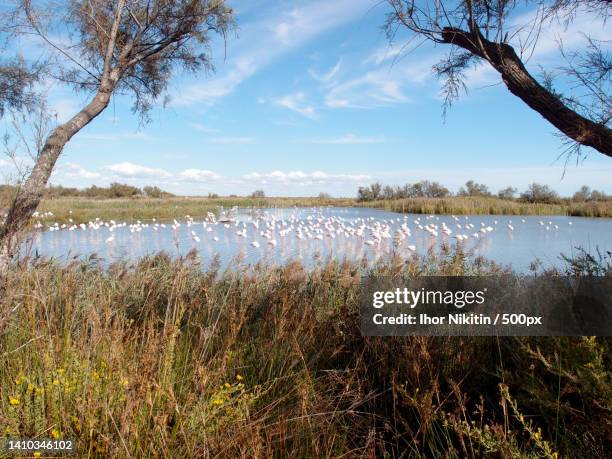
165,359
131,209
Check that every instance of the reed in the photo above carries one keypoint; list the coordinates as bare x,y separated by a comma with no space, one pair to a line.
166,358
459,205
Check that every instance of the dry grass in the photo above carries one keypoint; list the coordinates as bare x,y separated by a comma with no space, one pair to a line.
492,206
164,359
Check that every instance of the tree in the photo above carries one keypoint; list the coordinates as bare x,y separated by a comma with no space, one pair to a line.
120,46
583,194
474,189
486,31
427,189
258,194
16,82
586,194
507,193
597,195
371,193
540,193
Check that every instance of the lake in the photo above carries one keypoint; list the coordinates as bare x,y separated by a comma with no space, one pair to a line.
309,235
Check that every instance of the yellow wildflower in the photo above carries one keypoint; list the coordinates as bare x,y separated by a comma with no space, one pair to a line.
60,371
55,433
37,454
217,402
555,455
239,377
538,434
56,382
14,401
227,385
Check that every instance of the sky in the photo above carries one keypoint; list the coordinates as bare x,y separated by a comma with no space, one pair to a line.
310,97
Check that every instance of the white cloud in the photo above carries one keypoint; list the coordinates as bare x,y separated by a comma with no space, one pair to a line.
381,86
232,140
198,175
545,42
261,42
301,178
329,75
295,102
131,170
370,90
386,53
77,171
350,139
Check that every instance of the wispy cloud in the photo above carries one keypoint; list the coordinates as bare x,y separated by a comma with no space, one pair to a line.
385,53
262,42
131,170
350,139
382,86
296,103
328,76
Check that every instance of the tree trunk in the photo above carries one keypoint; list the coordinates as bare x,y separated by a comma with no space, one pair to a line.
519,81
30,193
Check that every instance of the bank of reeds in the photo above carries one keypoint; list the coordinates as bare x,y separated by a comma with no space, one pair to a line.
166,359
481,205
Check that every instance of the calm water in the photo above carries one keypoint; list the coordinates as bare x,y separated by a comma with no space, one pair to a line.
317,234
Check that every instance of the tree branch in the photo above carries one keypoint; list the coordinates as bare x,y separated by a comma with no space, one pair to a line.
522,84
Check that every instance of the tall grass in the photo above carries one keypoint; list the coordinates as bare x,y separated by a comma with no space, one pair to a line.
459,205
165,359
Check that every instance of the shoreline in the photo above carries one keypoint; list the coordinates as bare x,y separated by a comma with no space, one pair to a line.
132,209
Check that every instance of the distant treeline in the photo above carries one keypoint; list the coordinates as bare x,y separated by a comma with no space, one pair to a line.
114,190
535,193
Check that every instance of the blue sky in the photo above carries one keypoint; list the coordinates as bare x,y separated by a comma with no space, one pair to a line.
311,97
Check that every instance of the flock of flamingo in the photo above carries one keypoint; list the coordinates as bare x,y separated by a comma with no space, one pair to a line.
266,228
